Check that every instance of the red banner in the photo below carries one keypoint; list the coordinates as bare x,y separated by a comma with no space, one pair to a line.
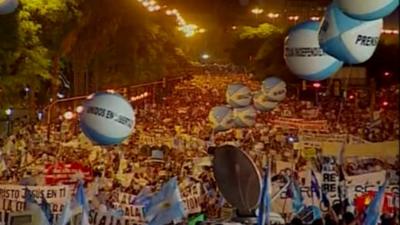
389,204
62,173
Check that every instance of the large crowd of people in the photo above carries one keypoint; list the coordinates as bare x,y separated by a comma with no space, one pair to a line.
179,128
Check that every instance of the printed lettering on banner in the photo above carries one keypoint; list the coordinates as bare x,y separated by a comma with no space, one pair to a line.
12,198
125,198
192,204
67,173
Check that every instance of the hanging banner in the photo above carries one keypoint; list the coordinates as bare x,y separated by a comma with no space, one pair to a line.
62,173
12,198
300,124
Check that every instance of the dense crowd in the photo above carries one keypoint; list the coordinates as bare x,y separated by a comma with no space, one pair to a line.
180,129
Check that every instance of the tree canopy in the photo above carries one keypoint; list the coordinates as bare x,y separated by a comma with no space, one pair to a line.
96,44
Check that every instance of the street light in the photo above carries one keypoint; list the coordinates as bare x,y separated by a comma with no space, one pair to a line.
316,86
205,56
257,11
68,115
9,113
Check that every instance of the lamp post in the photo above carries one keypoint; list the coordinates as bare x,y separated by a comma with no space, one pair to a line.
9,113
257,11
273,16
316,86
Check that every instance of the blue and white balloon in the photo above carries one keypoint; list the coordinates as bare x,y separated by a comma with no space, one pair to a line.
221,118
261,102
244,117
8,6
107,119
274,88
303,54
367,9
238,95
349,40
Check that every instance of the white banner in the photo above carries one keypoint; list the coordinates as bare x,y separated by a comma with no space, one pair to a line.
12,197
300,124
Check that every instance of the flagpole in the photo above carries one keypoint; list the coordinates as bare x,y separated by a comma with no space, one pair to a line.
312,192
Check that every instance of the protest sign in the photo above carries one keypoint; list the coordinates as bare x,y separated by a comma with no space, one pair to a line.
300,124
67,173
125,198
12,198
356,186
192,204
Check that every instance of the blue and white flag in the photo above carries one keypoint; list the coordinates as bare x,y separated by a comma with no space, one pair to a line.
264,207
297,198
144,197
32,205
81,200
315,186
166,205
66,214
374,209
46,208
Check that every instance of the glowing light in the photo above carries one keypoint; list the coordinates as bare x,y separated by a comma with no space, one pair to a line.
294,18
351,97
316,85
315,18
68,115
189,30
257,11
205,56
273,15
234,27
385,103
388,31
27,89
8,111
79,109
60,95
112,91
386,74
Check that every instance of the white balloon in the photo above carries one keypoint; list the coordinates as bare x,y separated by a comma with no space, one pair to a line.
107,118
350,40
221,118
274,88
262,103
367,9
238,95
245,117
303,54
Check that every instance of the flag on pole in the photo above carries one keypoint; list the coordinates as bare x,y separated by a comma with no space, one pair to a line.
374,209
29,199
315,186
166,205
325,200
80,198
297,198
32,205
264,207
66,214
144,197
46,208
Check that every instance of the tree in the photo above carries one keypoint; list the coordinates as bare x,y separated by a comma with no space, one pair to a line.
119,43
28,37
261,50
